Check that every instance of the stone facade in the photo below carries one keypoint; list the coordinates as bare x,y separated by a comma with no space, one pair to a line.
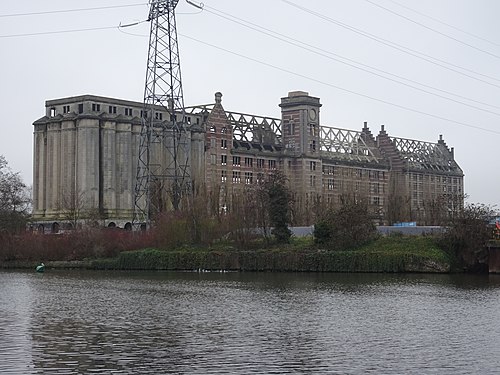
86,150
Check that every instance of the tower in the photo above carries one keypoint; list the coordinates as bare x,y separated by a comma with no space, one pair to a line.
163,168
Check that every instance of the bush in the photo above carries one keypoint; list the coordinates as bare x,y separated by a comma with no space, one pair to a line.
467,236
346,228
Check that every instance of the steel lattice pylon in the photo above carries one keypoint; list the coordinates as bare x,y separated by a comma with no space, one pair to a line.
163,170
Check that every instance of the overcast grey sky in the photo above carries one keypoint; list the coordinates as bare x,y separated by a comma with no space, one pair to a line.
445,48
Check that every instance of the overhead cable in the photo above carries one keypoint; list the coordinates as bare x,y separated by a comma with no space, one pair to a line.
433,30
399,47
343,89
445,23
351,62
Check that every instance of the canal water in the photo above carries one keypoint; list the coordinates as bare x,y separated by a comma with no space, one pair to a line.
79,322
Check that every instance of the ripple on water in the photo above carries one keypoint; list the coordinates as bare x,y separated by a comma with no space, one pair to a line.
85,322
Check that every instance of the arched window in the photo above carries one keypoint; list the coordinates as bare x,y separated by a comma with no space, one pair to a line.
55,228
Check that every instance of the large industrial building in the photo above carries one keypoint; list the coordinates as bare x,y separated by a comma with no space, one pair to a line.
86,151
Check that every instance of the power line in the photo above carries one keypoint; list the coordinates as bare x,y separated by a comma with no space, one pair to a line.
433,30
445,23
343,89
324,53
69,10
59,32
399,47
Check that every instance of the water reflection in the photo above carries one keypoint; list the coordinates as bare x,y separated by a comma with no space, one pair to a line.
161,322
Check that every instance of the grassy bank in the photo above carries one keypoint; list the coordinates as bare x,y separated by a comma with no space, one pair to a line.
388,254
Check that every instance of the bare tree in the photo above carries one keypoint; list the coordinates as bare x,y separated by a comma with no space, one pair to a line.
73,207
15,199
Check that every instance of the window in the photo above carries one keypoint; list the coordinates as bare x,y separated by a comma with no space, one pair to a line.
236,177
312,129
212,142
290,128
248,162
223,144
236,161
223,130
159,116
260,163
96,107
312,146
330,185
112,109
248,177
376,201
312,180
212,129
52,112
213,159
128,111
80,108
144,114
223,159
272,164
312,165
66,109
328,170
223,176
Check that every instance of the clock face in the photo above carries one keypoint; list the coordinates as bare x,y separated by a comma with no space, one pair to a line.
312,114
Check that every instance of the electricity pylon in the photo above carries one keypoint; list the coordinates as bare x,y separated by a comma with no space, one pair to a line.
163,168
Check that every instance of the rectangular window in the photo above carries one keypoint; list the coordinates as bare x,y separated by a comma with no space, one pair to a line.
312,146
330,184
66,109
236,177
128,111
212,143
213,159
312,181
112,109
236,161
223,144
223,176
272,164
96,107
260,163
312,165
80,108
248,162
248,178
159,116
223,159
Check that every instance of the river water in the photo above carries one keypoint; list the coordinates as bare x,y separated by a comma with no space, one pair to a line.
79,322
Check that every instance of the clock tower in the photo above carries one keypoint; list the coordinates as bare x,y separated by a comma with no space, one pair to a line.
300,124
301,143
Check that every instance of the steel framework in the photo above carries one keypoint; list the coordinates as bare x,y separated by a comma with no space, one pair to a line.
163,168
425,155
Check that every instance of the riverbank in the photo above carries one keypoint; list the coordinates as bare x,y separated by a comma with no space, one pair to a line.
395,254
